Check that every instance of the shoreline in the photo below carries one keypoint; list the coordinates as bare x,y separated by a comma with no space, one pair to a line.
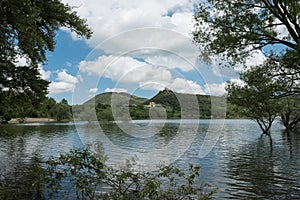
30,120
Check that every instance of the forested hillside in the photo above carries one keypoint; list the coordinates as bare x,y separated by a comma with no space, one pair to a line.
166,103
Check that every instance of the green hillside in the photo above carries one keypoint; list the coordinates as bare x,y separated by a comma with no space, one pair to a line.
115,98
176,103
165,103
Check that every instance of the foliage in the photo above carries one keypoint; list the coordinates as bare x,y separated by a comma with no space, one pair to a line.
290,115
93,179
22,108
139,112
286,68
21,87
116,98
257,96
167,105
235,29
61,111
27,30
104,112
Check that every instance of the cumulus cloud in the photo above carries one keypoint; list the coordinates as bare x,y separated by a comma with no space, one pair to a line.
93,90
109,18
185,86
215,89
179,85
124,26
68,78
171,62
118,90
44,74
237,81
255,59
60,87
144,42
124,70
64,82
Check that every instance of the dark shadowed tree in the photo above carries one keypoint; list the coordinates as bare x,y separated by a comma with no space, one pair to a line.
290,115
61,111
27,31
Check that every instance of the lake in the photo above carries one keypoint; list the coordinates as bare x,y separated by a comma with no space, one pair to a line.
233,155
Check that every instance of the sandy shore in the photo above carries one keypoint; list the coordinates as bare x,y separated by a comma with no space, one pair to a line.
31,120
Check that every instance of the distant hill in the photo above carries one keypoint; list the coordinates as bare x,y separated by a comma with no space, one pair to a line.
116,98
174,105
179,102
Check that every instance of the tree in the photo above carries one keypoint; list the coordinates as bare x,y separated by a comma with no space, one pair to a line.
104,113
290,115
27,30
61,111
235,29
258,97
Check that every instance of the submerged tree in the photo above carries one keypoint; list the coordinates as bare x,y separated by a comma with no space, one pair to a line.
235,29
290,115
257,96
265,94
27,30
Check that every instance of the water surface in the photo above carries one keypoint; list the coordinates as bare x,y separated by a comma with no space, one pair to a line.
242,163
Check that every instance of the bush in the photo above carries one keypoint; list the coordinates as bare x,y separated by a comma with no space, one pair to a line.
91,178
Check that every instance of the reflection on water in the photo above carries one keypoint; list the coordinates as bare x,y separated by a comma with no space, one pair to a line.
243,164
265,172
21,145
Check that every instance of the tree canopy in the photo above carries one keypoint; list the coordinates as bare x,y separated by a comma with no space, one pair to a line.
235,29
28,28
27,31
256,96
263,97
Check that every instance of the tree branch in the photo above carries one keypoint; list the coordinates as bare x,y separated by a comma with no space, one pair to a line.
277,12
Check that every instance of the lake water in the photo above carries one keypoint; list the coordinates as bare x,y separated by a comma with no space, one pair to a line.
234,156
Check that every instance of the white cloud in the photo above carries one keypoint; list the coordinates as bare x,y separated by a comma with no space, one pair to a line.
215,89
93,90
65,77
60,87
64,83
183,22
124,70
255,59
124,26
144,42
118,90
21,60
282,31
153,86
171,62
44,74
109,18
185,86
237,81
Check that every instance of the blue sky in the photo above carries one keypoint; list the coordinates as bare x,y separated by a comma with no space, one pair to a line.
139,47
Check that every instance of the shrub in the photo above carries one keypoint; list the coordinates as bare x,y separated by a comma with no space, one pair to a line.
91,178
